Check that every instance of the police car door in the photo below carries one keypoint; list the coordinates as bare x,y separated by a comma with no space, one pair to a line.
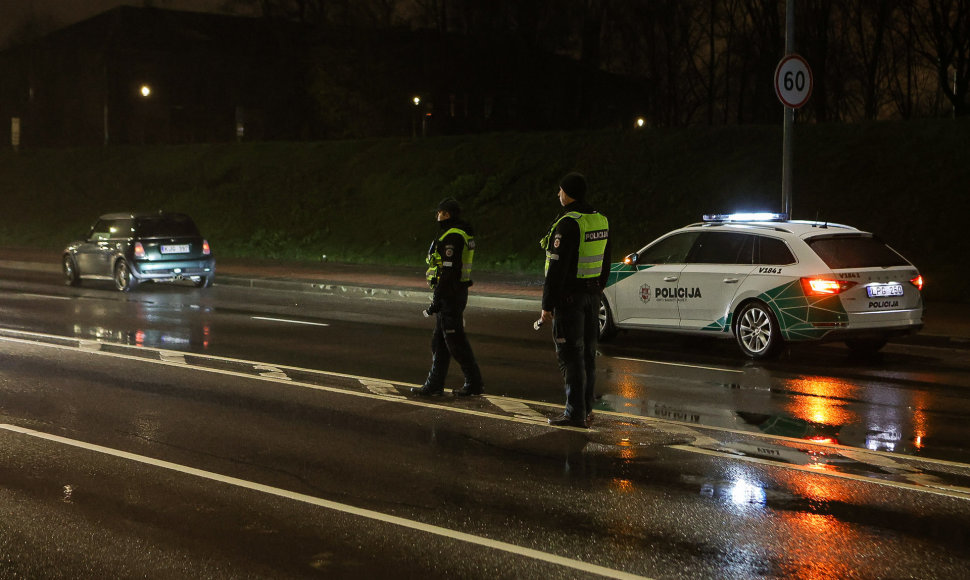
645,298
717,265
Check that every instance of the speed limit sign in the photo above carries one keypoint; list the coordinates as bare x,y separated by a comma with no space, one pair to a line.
793,81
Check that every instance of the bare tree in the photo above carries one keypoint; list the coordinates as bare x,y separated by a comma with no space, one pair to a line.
943,39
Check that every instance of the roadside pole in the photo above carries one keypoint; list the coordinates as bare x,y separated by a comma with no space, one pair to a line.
15,133
793,85
786,158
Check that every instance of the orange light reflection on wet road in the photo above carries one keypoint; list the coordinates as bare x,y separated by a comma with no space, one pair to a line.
821,400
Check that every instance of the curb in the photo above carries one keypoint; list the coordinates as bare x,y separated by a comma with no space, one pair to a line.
377,292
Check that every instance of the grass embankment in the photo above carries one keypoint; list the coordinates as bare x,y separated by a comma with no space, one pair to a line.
370,201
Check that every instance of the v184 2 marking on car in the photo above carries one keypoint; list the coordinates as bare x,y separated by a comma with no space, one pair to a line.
131,248
765,280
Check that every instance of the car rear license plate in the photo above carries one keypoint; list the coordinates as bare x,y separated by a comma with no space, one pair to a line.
880,290
178,249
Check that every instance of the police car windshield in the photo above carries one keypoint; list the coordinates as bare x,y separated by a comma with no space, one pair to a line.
840,252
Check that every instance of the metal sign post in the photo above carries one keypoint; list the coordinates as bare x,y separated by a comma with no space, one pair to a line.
793,85
15,133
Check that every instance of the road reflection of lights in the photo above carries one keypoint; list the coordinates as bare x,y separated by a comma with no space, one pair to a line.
621,485
820,400
746,493
883,439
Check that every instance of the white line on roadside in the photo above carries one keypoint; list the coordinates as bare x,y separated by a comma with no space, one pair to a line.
331,505
672,364
37,339
290,321
48,296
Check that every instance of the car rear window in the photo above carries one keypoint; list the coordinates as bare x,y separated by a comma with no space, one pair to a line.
774,251
840,252
166,226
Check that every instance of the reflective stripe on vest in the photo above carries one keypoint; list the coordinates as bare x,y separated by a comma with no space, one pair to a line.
594,231
467,252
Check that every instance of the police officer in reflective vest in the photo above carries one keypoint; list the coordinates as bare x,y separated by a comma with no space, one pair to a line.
449,275
577,269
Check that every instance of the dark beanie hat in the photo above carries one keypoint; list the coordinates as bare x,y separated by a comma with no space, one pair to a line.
574,184
450,205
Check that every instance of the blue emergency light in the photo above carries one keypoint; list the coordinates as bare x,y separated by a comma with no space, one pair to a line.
746,217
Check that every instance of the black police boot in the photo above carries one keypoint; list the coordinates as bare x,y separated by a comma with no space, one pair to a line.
467,390
565,420
428,390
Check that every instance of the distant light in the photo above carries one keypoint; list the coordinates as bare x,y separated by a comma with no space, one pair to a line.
641,122
416,101
145,90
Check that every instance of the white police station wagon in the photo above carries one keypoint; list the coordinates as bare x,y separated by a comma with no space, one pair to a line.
765,281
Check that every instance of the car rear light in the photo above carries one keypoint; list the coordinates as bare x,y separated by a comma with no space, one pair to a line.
205,248
139,250
825,286
918,282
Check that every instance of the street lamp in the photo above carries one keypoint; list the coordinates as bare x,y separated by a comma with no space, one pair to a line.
640,122
145,91
416,100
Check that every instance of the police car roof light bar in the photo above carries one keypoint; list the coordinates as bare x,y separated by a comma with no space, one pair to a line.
746,217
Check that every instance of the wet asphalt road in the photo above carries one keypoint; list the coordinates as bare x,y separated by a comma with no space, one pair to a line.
175,432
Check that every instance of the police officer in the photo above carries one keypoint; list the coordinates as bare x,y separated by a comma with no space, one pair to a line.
577,269
449,275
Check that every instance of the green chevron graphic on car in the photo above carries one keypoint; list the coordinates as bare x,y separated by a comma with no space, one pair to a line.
620,271
798,315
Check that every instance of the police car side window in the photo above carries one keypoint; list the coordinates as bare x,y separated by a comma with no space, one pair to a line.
773,251
670,250
722,248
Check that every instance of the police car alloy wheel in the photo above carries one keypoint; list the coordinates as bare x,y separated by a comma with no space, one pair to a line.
607,329
757,331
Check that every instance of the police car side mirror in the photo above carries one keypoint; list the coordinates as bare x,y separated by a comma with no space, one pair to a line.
631,259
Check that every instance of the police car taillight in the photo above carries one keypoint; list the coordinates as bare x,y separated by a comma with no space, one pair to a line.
139,250
824,286
918,282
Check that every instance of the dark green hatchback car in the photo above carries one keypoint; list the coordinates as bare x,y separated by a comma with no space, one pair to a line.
130,248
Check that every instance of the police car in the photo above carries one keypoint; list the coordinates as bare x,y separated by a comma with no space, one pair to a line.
765,281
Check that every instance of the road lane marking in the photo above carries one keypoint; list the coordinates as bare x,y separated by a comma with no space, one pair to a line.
271,372
175,358
516,407
673,364
332,505
94,347
290,321
381,388
47,296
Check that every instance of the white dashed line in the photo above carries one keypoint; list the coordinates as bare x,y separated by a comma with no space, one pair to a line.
304,322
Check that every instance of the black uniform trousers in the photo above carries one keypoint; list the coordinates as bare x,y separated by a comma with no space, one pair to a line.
449,341
575,329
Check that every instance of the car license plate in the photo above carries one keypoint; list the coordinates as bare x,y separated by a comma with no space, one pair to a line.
184,249
880,290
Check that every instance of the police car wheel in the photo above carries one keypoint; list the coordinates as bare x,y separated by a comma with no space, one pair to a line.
606,324
757,331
